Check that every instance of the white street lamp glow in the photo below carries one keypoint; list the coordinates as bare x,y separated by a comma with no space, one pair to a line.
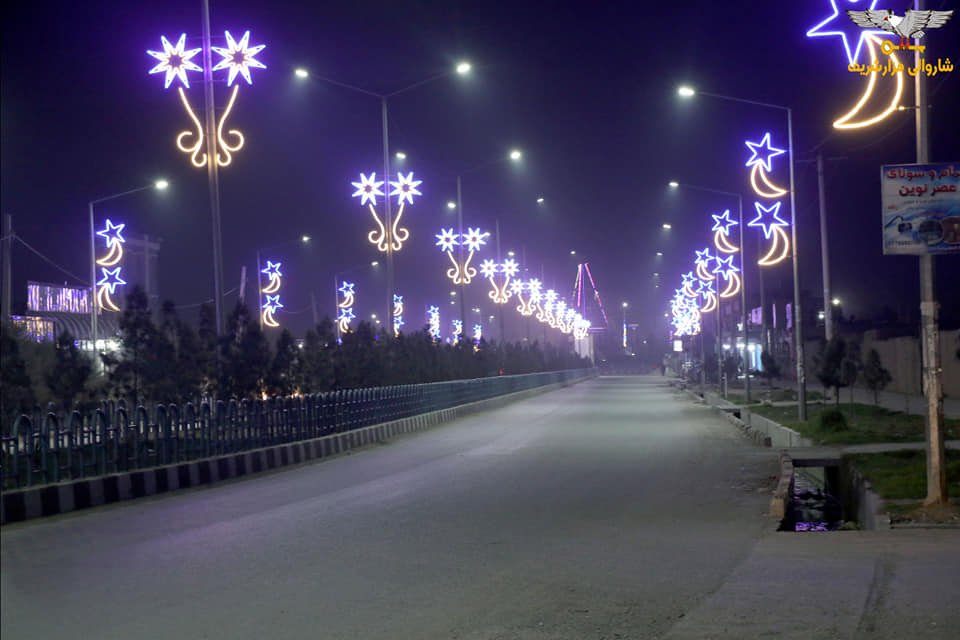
516,154
161,184
540,200
686,92
464,68
573,252
304,238
667,225
836,302
659,253
374,263
300,72
401,155
674,184
451,205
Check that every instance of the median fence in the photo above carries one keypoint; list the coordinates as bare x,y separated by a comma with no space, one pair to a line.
53,448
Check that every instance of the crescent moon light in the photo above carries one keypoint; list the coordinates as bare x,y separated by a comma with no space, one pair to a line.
711,303
113,257
273,287
721,242
702,273
844,122
733,286
773,191
104,300
268,318
781,242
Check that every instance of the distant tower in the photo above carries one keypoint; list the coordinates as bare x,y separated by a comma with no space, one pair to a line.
588,304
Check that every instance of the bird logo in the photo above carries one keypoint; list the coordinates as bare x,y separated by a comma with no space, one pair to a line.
909,25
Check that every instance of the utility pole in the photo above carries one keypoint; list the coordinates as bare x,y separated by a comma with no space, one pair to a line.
824,252
7,246
929,312
213,176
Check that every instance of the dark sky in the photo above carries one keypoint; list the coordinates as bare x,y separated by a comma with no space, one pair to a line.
586,90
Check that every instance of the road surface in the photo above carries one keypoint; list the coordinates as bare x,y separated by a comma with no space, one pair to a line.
606,510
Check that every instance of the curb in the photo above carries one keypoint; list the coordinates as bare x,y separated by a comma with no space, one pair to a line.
778,503
54,499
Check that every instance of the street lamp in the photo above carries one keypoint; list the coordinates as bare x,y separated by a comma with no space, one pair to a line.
743,296
667,226
462,68
688,92
159,185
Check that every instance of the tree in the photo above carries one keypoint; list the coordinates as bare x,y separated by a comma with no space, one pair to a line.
245,355
829,368
851,365
771,368
16,392
145,366
875,375
70,373
283,372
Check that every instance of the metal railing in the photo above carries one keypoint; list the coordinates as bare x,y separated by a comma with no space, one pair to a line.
43,449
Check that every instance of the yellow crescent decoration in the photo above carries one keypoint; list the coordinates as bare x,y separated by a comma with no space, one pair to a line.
844,122
347,302
226,158
113,256
733,286
711,303
781,242
703,273
378,236
773,191
687,291
721,242
453,272
194,150
104,300
344,325
398,234
273,287
268,319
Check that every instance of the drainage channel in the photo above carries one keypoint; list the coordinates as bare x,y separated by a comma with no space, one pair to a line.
812,505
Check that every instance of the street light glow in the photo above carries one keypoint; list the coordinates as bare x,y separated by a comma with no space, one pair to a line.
516,154
304,238
401,155
464,68
836,302
510,253
686,92
374,263
540,200
573,252
667,225
625,305
659,253
451,205
161,184
674,184
300,72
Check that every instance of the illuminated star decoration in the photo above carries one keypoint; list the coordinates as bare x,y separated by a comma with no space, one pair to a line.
112,233
175,61
273,303
238,57
762,213
405,188
111,279
488,268
838,24
345,313
272,271
725,267
473,239
763,158
368,189
723,222
446,240
433,318
346,289
397,313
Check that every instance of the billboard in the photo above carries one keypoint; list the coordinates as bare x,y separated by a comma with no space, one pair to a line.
921,208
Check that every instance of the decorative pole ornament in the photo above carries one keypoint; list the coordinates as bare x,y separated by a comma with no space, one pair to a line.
404,188
721,232
397,314
761,155
345,308
433,319
107,285
272,271
176,61
532,303
473,239
501,292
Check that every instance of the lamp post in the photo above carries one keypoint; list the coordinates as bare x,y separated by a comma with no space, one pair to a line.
688,92
94,307
743,282
462,68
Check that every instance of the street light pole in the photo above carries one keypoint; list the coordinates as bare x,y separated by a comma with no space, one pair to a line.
463,316
386,208
213,176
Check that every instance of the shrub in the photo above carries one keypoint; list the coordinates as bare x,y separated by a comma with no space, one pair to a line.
833,420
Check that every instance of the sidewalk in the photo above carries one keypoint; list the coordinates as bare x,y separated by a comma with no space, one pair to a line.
852,584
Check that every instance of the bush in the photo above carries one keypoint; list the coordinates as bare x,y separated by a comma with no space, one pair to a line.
833,420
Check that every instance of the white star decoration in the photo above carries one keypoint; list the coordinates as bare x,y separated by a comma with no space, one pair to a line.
488,268
238,57
368,189
175,61
474,239
406,188
446,239
510,267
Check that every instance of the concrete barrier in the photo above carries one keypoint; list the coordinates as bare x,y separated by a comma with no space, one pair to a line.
780,436
52,499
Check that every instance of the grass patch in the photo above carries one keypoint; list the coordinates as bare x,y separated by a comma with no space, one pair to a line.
758,395
902,475
866,424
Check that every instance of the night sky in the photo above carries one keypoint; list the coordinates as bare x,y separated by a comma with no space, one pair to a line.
586,90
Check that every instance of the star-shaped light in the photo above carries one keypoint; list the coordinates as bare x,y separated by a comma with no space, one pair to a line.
406,188
703,257
705,287
763,157
272,303
551,296
510,267
433,311
111,279
477,331
368,189
397,323
346,289
763,213
473,239
839,24
175,61
112,234
489,268
560,307
723,221
346,315
397,299
534,285
516,286
238,57
446,239
272,270
725,267
688,278
458,327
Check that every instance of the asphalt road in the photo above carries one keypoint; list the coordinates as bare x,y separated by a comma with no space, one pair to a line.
607,510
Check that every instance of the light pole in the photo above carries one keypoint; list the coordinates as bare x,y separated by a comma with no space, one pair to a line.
688,92
303,239
462,68
94,307
515,155
743,284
